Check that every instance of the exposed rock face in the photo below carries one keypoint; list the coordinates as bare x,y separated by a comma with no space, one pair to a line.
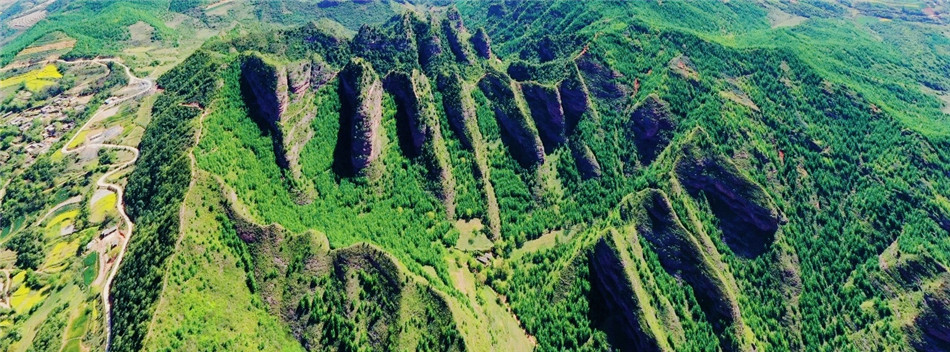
264,88
482,43
575,98
430,47
298,77
652,125
602,80
459,108
413,94
389,48
518,131
545,105
906,270
268,83
320,73
585,160
361,95
747,215
453,28
611,286
314,287
682,255
460,111
933,324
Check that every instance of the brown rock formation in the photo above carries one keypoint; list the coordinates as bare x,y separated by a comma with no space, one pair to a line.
931,329
264,89
298,77
602,80
681,254
518,131
585,160
747,215
361,95
575,98
320,73
618,305
652,126
416,110
482,43
545,105
268,85
454,28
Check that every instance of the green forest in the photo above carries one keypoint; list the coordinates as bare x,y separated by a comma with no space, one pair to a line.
513,175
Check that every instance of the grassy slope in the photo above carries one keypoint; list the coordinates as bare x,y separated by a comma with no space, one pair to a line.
205,303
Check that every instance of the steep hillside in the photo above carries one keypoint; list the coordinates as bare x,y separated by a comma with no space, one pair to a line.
516,175
633,185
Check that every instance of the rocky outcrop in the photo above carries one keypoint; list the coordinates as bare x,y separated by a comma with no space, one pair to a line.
603,82
357,294
681,254
320,73
930,331
268,84
575,98
264,89
417,115
518,131
459,108
747,216
298,77
652,126
389,47
482,44
430,46
454,29
361,95
906,271
619,305
544,102
585,160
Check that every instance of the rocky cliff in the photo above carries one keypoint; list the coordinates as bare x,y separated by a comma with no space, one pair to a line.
518,131
416,109
454,31
931,329
575,98
361,95
268,84
652,126
264,89
621,307
298,77
682,255
339,299
747,215
482,43
544,102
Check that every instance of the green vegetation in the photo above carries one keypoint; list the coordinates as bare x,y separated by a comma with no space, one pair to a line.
161,176
479,175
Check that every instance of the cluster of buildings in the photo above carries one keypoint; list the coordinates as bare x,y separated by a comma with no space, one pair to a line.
51,116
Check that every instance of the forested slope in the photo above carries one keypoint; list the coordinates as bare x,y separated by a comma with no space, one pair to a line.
574,175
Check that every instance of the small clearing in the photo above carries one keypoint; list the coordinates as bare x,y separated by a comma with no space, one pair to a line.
739,97
683,66
141,32
778,18
28,20
62,45
471,236
547,240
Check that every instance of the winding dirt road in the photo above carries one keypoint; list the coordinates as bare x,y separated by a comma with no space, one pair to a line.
103,113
